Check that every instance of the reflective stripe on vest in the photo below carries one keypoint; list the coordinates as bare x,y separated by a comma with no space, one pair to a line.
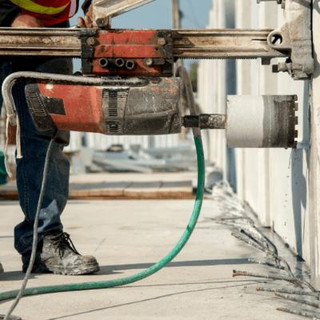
37,8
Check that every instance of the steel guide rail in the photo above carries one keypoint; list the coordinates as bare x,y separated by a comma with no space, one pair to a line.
197,44
223,44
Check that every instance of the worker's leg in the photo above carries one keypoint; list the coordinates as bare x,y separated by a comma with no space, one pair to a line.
53,244
34,145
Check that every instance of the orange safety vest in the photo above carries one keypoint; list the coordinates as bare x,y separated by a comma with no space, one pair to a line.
50,12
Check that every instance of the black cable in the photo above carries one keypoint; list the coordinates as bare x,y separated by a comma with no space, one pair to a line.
35,230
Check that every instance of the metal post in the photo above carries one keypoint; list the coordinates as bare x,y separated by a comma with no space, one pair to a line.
176,24
176,17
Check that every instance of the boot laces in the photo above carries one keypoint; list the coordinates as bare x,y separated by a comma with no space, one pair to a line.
63,241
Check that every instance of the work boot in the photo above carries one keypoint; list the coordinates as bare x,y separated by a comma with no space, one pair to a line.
1,268
59,256
38,266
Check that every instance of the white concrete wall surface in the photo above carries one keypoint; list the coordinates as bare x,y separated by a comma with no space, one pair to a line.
314,172
212,91
282,186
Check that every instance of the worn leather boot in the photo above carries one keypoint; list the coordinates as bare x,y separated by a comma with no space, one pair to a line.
59,256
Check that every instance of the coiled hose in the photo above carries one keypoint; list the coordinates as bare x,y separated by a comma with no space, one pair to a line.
93,285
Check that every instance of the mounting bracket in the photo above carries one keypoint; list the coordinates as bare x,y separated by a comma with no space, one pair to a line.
295,36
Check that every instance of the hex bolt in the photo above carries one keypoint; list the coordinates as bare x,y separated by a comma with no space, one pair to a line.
280,67
91,41
119,62
103,62
148,62
162,41
130,64
102,22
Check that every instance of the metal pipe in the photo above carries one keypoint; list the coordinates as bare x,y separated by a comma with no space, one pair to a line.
130,64
119,62
103,62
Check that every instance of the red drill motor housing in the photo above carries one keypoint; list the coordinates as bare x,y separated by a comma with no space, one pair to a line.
121,107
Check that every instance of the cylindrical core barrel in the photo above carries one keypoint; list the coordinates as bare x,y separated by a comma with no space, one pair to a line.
261,121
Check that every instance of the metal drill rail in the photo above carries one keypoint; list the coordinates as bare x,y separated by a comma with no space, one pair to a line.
197,44
223,44
40,42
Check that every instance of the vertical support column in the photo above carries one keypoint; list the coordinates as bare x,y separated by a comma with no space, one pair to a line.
231,89
314,171
176,14
268,84
212,91
243,14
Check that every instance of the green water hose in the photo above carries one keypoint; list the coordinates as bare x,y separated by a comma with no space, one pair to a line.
147,272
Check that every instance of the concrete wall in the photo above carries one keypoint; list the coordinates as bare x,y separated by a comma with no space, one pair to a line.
273,181
314,172
282,186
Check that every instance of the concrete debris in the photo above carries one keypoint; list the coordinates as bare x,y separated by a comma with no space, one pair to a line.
303,313
246,229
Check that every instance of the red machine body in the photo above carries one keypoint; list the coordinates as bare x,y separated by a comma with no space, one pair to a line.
74,107
128,53
127,107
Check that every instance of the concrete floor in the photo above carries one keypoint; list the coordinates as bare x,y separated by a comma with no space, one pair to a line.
126,237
